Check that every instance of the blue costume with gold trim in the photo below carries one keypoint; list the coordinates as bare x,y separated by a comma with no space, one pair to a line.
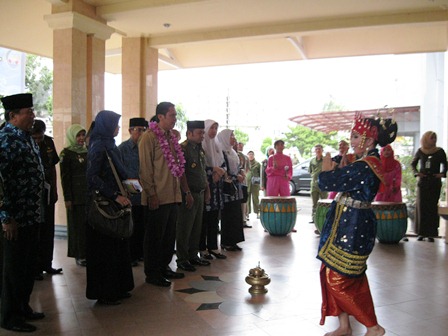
348,235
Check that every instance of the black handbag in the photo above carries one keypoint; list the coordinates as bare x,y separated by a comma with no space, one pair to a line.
228,187
107,216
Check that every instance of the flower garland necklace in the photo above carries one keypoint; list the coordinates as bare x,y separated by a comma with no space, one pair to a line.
176,165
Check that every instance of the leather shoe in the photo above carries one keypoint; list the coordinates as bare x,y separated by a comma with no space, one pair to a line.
431,240
33,316
109,302
125,295
199,262
247,226
81,262
52,270
186,266
169,274
22,327
39,277
158,281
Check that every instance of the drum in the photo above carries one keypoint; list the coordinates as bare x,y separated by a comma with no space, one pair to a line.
392,221
278,214
322,208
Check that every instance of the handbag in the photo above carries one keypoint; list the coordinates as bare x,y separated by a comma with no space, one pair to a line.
107,216
228,187
255,180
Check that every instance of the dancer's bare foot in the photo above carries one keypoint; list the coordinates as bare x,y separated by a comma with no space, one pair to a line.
340,332
375,331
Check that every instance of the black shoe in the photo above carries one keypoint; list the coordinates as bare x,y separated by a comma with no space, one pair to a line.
33,316
431,240
39,277
22,327
169,274
186,266
134,263
217,255
125,295
52,270
109,302
311,221
232,248
207,256
158,281
247,226
81,262
199,262
420,238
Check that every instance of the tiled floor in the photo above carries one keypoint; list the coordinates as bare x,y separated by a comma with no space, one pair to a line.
409,283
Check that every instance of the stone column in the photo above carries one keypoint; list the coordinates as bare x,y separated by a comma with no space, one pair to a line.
139,80
78,75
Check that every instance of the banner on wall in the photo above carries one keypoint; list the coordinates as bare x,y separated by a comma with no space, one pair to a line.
12,71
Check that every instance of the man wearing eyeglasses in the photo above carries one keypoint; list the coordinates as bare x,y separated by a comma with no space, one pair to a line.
130,158
21,210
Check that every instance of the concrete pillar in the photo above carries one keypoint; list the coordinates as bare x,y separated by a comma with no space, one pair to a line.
78,73
139,79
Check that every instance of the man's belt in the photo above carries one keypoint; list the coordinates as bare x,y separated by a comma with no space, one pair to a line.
348,201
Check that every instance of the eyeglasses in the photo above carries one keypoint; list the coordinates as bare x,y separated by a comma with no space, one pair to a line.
139,129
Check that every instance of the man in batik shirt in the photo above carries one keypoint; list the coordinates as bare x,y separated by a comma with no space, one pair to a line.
22,177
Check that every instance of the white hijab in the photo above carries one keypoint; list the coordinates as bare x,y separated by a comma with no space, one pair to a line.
226,147
213,154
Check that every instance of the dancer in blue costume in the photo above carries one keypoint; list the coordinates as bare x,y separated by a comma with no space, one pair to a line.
348,235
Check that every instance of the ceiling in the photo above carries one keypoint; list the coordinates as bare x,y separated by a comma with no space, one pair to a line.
200,33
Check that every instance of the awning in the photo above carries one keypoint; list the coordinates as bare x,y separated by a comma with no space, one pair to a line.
342,120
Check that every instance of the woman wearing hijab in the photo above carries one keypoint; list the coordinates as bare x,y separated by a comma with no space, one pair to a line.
73,179
215,165
390,188
432,169
109,273
231,216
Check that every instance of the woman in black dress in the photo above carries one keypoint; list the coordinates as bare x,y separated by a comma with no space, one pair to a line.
109,272
231,216
432,169
73,166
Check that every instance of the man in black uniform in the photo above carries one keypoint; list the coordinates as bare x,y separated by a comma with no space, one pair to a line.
50,159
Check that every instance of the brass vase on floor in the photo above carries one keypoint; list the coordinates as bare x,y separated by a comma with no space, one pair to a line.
258,279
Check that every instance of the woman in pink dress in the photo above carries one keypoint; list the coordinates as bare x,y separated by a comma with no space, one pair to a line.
390,190
278,171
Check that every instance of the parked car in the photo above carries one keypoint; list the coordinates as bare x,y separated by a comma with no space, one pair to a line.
301,178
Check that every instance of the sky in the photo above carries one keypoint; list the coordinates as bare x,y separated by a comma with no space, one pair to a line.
259,98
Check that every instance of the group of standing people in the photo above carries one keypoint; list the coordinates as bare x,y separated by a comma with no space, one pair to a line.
186,190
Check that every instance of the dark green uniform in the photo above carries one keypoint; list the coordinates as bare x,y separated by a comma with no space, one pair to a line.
189,222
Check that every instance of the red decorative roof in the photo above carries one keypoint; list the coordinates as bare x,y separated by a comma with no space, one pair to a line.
342,120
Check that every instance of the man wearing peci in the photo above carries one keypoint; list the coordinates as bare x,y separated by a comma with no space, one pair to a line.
21,211
129,156
195,192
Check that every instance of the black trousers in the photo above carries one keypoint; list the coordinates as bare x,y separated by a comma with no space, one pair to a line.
46,240
209,232
136,240
19,263
160,237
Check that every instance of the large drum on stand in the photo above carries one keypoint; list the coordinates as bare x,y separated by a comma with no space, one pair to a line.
278,214
322,208
391,221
